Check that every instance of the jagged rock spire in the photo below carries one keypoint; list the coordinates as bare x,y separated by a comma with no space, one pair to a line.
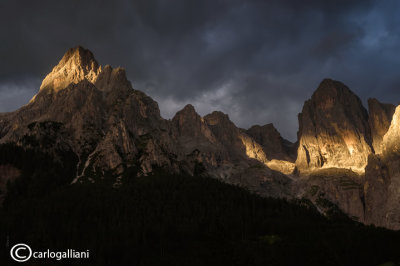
333,130
76,65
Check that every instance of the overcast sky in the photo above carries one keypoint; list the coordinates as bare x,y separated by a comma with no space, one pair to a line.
258,61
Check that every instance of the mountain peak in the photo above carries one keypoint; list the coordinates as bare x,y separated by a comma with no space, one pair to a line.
80,56
333,129
76,65
217,117
331,88
331,92
187,113
275,147
189,108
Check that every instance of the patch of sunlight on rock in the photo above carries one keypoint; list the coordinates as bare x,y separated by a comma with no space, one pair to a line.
284,167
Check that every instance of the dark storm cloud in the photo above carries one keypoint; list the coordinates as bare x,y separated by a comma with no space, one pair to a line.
255,60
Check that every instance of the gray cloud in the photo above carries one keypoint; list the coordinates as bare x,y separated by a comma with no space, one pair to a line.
256,60
16,94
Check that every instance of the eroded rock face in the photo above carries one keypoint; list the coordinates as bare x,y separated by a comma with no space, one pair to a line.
382,180
380,117
76,65
274,146
342,187
192,130
236,143
333,130
108,125
390,144
225,152
378,201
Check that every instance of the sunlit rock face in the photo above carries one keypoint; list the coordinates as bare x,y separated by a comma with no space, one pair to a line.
234,144
243,160
97,114
280,153
282,166
333,130
76,65
391,144
382,180
380,117
225,152
274,146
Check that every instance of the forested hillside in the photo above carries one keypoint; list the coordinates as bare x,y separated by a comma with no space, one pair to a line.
175,220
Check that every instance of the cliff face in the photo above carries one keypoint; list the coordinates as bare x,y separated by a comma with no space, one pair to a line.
76,65
97,114
380,117
333,130
382,180
225,152
274,146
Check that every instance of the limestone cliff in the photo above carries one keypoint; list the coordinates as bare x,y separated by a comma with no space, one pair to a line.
274,146
382,180
380,116
76,65
333,130
97,113
192,130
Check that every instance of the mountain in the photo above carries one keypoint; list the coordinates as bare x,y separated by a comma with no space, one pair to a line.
382,180
274,146
333,130
91,122
213,143
380,117
94,112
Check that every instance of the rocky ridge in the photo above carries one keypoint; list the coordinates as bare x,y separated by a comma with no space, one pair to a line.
94,112
344,155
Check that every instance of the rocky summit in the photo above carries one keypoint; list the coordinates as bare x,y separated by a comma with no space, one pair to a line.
345,156
333,130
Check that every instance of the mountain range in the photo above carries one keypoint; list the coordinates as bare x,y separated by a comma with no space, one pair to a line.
344,155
